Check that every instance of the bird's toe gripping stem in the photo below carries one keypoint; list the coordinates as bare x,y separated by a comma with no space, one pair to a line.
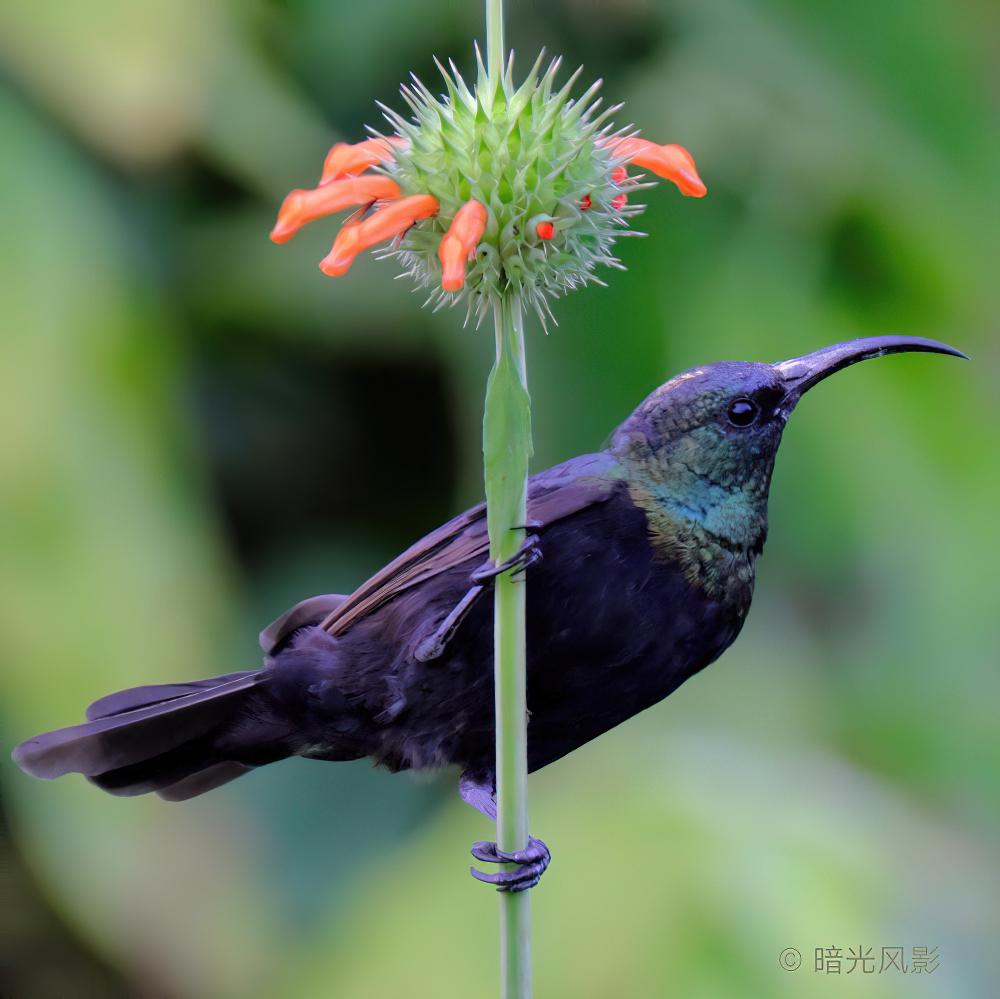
532,862
526,556
433,646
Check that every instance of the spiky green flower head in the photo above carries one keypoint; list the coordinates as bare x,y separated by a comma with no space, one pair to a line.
531,155
490,193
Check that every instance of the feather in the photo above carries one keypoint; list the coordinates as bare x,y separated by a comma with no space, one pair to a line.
141,697
553,495
310,611
204,780
119,740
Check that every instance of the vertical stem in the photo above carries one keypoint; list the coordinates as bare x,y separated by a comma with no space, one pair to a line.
506,449
494,39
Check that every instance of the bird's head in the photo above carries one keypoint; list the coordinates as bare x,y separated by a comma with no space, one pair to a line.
703,444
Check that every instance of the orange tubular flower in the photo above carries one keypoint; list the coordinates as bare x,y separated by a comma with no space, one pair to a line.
459,243
349,159
303,206
392,220
671,162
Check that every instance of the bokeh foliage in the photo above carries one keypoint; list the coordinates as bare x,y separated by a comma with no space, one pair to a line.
197,428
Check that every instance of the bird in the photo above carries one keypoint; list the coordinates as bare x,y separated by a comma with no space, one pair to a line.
640,561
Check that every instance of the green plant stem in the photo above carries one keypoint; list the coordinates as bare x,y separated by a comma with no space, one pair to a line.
494,39
506,451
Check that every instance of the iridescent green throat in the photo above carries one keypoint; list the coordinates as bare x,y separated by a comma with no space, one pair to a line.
705,500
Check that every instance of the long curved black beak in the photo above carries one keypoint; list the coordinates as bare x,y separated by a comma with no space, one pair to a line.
801,373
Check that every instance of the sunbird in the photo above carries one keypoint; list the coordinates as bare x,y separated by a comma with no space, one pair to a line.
641,564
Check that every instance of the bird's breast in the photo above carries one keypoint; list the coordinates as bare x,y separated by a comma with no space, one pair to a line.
622,626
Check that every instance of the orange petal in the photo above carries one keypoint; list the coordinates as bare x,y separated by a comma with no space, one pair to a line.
392,220
671,162
460,242
301,207
346,247
346,159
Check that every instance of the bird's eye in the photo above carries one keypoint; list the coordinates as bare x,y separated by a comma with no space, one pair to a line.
742,412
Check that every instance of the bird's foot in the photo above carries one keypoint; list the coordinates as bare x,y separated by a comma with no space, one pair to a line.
433,646
532,862
527,555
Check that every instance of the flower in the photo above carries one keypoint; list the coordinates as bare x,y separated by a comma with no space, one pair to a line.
491,191
670,162
346,160
459,243
301,207
388,222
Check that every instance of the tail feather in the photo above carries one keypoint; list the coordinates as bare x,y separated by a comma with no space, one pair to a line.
136,735
188,770
142,697
203,780
157,772
180,740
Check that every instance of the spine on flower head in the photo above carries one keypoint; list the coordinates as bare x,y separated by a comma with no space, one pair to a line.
459,243
388,222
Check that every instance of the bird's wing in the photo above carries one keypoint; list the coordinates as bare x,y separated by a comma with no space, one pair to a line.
553,495
310,611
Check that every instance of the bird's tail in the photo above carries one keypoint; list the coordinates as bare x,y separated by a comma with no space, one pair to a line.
179,740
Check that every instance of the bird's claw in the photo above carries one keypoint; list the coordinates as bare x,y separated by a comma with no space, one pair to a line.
527,555
529,525
532,862
433,646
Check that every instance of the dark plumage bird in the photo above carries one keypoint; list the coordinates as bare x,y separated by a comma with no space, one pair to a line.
649,551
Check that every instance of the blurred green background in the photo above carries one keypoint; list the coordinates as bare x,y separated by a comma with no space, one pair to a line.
197,429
